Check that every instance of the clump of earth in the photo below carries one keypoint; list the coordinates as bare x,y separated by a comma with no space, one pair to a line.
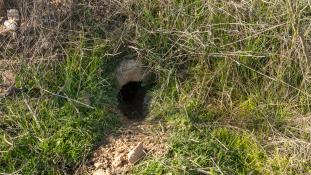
130,145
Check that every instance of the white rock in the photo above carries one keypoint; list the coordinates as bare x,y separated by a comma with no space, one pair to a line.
10,25
129,70
100,172
136,154
13,14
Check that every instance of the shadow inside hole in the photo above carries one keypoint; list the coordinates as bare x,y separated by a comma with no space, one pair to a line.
133,101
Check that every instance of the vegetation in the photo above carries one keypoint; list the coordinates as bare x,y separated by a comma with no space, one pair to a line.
232,82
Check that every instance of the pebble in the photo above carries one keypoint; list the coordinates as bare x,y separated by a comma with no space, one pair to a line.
100,172
136,154
10,25
97,165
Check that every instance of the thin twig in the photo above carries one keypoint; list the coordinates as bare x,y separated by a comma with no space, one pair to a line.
69,99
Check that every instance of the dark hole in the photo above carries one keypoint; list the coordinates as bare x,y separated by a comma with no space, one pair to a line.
132,100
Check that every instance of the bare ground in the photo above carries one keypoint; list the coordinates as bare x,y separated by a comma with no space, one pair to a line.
111,157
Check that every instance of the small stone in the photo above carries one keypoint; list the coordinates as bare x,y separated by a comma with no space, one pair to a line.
100,172
10,25
120,151
136,154
97,165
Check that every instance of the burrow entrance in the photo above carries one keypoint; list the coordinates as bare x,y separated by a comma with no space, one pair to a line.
133,101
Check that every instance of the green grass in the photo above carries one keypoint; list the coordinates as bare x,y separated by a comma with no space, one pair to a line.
222,67
217,151
232,84
53,134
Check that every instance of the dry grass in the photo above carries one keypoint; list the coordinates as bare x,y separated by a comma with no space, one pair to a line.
233,78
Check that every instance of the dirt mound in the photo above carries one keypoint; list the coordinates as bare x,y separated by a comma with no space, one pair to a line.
115,156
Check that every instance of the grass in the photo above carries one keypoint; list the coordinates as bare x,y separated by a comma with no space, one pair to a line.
232,84
196,149
53,133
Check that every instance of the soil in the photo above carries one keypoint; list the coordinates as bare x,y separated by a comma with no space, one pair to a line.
112,157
